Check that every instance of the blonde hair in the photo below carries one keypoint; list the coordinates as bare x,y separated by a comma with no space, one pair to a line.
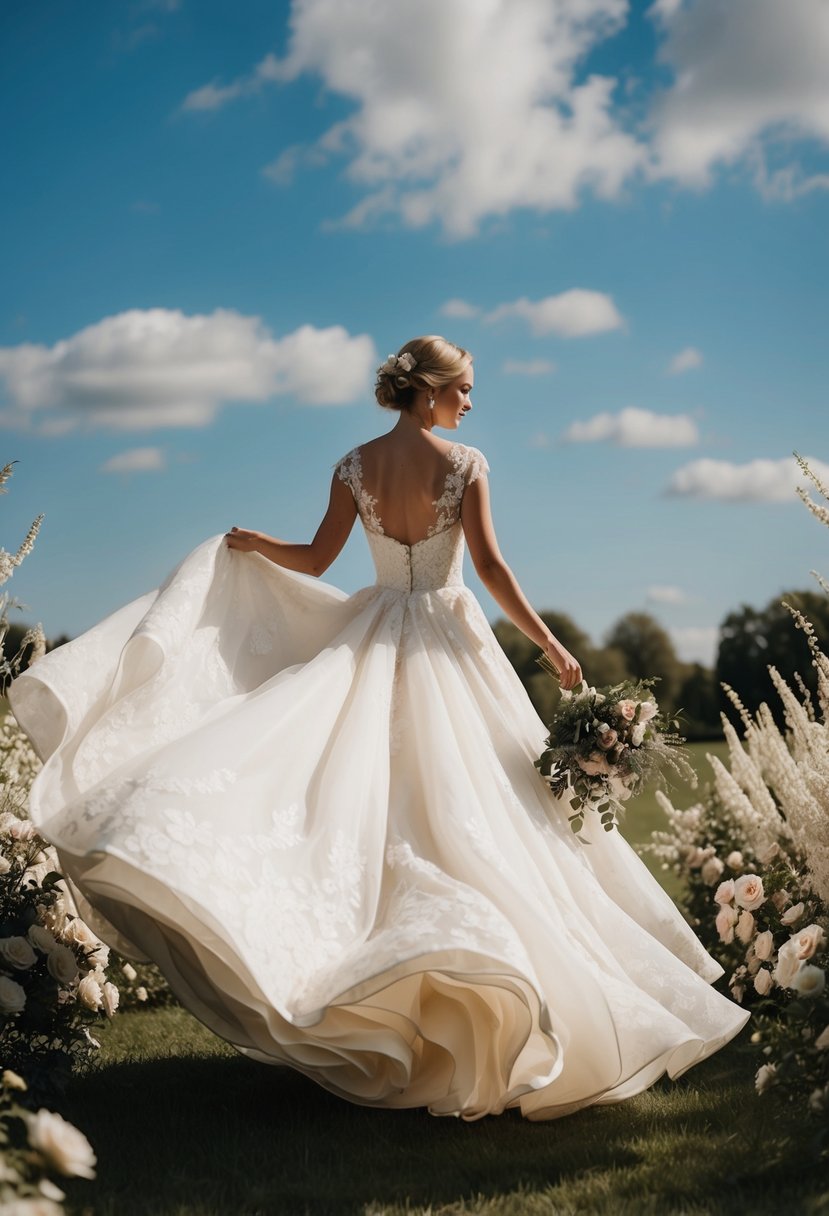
436,362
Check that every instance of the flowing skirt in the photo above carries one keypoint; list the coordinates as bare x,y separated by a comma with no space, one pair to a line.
319,815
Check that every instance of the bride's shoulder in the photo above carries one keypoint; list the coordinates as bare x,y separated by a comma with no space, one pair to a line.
471,461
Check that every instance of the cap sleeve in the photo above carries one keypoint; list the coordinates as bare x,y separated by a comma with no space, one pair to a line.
347,467
476,465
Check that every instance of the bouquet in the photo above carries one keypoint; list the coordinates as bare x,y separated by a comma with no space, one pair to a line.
605,744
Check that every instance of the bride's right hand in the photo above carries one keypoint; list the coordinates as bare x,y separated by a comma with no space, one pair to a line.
568,667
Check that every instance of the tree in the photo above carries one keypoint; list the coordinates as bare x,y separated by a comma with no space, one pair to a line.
700,704
751,639
648,651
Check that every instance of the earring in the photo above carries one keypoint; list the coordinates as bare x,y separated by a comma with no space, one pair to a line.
431,403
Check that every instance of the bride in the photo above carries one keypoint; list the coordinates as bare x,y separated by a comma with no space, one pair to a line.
320,816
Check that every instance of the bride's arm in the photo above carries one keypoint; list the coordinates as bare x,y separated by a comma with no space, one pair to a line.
502,584
328,540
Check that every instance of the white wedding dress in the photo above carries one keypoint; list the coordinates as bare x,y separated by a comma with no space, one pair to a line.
319,814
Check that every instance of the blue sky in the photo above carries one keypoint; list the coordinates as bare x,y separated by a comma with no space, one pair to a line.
217,220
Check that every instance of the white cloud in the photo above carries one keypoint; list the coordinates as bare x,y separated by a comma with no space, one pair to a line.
756,481
463,110
460,309
571,314
696,643
528,367
213,96
635,428
666,595
745,72
136,460
687,359
158,368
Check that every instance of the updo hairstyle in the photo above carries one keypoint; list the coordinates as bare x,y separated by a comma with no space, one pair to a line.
436,362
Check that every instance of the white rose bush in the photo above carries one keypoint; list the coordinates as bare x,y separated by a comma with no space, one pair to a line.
53,978
753,856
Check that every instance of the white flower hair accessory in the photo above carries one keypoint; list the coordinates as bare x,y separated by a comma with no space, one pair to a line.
396,364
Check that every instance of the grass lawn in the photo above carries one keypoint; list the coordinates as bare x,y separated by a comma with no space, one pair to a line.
185,1126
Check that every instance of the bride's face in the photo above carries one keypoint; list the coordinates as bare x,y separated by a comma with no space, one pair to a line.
453,400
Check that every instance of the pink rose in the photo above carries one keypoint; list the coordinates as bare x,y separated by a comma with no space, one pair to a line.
725,892
793,914
808,941
763,982
745,927
764,945
593,765
607,739
748,891
725,922
626,709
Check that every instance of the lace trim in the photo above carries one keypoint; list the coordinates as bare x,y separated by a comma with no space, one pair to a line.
468,464
350,470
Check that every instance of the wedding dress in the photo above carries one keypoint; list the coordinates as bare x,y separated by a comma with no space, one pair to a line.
318,813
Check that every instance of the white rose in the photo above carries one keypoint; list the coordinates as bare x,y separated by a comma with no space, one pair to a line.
89,993
65,1149
12,995
822,1041
745,927
130,973
41,938
141,993
765,1077
637,735
809,980
111,997
787,964
792,915
99,957
21,829
763,981
748,891
647,710
764,945
16,952
734,860
808,941
725,892
711,870
62,964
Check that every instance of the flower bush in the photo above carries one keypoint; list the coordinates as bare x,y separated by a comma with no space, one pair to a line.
53,968
753,856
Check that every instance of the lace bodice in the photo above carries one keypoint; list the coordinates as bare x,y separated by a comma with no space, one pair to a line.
436,560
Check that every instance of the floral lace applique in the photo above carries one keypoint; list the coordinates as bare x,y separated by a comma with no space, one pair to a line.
350,470
467,466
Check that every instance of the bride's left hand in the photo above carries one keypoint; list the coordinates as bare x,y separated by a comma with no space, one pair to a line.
242,539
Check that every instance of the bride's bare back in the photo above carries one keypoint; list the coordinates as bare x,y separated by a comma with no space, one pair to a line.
406,481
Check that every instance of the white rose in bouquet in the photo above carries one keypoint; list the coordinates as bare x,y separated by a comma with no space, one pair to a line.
763,982
808,941
111,997
788,964
792,915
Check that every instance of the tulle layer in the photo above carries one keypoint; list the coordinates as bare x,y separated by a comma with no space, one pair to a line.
320,816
